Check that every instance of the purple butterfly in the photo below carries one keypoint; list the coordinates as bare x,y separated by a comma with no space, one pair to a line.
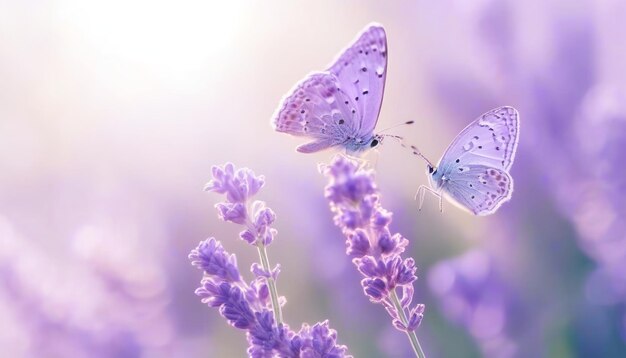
474,170
339,107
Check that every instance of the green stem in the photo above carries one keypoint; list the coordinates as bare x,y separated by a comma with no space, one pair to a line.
271,283
419,353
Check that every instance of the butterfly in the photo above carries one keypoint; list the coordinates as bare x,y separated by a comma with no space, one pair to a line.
474,170
339,107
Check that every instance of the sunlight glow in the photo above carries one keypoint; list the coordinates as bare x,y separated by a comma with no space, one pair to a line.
163,35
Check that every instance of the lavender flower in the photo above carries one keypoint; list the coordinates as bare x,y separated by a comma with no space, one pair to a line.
254,307
248,307
354,200
240,186
211,257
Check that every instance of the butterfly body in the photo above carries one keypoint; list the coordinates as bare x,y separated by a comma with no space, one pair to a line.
356,145
339,107
474,171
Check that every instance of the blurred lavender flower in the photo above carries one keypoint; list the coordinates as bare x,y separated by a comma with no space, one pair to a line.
119,310
354,200
253,307
472,295
597,211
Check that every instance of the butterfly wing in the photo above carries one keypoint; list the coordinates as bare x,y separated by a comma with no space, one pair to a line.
362,69
318,108
479,188
477,162
490,140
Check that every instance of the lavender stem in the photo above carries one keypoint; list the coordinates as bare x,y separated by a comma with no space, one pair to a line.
271,284
419,353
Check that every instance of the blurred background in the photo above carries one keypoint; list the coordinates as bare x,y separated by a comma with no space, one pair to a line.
113,112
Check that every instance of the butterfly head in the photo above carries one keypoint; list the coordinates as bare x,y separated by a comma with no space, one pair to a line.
432,173
359,145
376,141
435,177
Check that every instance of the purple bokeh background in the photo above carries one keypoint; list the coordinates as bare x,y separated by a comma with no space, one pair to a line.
112,114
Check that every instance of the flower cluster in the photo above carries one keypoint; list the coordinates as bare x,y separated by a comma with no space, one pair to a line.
355,202
254,307
239,186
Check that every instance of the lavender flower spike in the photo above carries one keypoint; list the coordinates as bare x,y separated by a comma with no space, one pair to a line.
355,201
247,307
254,307
244,306
239,186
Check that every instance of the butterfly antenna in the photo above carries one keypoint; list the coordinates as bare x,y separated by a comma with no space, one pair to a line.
419,154
413,148
396,125
400,139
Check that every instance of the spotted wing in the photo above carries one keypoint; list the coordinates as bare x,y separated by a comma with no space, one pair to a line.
490,140
362,69
318,108
479,188
477,162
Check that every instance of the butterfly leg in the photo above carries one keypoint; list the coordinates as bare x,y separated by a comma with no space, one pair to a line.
421,192
440,203
363,163
375,154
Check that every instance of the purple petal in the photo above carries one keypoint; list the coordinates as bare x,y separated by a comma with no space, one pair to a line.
236,213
